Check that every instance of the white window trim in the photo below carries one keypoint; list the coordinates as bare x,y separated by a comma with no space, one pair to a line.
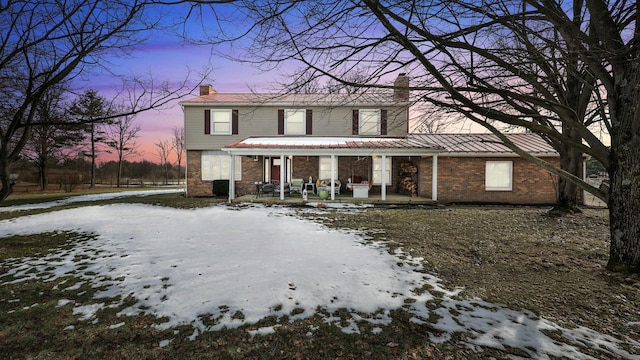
213,127
328,171
360,123
377,180
490,174
208,170
289,112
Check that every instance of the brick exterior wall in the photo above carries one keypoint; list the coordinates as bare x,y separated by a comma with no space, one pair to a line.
195,186
251,172
461,180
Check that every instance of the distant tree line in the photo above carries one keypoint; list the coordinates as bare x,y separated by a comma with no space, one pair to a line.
75,172
69,135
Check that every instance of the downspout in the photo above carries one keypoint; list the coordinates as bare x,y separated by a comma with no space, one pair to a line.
584,178
434,178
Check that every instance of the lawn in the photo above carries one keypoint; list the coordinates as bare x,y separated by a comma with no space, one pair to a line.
160,276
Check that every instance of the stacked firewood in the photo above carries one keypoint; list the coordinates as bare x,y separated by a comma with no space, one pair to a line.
407,184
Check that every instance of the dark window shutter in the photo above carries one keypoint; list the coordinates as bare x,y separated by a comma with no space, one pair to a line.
280,122
354,123
234,122
383,122
207,122
309,124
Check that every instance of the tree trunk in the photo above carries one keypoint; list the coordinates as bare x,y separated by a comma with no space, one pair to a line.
7,184
44,179
179,170
570,161
119,172
624,174
93,156
624,207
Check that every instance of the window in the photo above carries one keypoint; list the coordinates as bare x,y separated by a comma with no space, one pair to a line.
220,122
325,168
369,122
377,170
215,165
498,176
295,121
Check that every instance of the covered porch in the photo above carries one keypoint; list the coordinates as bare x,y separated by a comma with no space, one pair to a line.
391,199
283,156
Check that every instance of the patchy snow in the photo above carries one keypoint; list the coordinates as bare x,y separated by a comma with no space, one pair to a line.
115,326
268,330
89,197
204,266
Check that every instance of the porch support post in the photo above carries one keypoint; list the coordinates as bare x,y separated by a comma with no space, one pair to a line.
383,180
434,178
333,187
283,164
232,180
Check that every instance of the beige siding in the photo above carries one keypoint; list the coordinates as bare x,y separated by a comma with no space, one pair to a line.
263,121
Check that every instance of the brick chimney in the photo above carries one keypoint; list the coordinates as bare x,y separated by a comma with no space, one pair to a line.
401,88
206,90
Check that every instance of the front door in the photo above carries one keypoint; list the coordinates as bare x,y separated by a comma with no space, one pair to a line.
275,169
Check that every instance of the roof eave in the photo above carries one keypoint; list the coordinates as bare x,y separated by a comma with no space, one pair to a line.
495,154
297,104
329,151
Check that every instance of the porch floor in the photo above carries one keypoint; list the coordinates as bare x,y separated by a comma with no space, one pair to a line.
391,199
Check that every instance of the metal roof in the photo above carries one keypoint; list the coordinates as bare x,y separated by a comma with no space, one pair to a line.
486,144
327,145
412,145
262,99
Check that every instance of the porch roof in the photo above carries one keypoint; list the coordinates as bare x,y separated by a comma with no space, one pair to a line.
328,145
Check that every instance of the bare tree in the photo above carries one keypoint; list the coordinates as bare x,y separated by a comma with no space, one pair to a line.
91,111
120,135
178,146
351,82
49,139
163,151
563,70
44,43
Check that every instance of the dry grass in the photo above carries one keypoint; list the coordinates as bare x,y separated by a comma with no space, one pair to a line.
520,257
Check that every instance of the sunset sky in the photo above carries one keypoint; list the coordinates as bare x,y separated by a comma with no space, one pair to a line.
168,58
165,55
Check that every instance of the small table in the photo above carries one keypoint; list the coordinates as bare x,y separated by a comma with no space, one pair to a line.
310,187
360,190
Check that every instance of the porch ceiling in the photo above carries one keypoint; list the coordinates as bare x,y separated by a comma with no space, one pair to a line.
340,146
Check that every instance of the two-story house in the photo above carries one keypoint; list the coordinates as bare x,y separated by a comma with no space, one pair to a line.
348,141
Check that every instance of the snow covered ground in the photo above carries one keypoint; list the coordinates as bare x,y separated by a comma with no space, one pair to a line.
265,261
89,197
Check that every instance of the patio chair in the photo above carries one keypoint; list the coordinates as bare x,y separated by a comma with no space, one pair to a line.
297,185
276,189
267,188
